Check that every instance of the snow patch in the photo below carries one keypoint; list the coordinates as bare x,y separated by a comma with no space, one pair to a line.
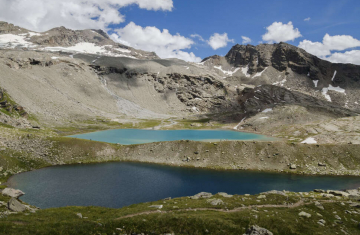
331,88
54,58
315,82
309,140
122,50
230,73
281,83
334,76
267,110
12,41
245,71
259,73
88,48
236,127
264,118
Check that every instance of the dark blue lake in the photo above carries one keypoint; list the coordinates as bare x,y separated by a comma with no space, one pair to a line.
120,184
137,136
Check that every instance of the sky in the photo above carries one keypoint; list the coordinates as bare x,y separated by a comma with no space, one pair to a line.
194,29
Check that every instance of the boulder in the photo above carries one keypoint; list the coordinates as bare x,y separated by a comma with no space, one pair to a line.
156,206
319,191
225,195
201,195
304,214
275,192
256,230
215,202
15,205
338,193
292,166
79,215
319,205
10,192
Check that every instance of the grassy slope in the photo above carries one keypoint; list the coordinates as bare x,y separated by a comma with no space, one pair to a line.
183,220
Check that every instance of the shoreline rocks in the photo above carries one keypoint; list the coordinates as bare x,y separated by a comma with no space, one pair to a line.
14,193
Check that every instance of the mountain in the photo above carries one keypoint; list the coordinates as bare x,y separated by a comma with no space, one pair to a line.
62,39
64,75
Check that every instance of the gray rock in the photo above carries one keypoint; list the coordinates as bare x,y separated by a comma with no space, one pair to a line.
215,202
321,164
256,230
292,166
261,197
201,195
79,215
319,205
319,191
275,192
304,214
15,205
10,192
354,197
339,193
225,195
337,217
156,206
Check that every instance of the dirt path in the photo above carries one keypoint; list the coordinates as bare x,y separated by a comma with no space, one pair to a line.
299,203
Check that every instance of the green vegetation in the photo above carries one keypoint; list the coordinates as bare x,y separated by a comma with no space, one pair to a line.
277,213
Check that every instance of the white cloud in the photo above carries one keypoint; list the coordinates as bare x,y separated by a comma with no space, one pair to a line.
217,41
198,37
334,43
279,32
246,40
352,57
307,19
41,15
162,43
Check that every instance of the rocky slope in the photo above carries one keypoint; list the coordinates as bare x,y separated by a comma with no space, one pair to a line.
64,75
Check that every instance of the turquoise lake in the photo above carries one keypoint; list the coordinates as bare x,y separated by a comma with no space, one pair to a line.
121,184
137,136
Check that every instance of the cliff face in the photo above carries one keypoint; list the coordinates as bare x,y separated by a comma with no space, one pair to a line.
285,57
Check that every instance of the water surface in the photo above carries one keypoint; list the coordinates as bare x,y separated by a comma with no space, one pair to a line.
120,184
138,136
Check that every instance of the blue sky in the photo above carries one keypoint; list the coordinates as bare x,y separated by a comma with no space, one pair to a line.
250,18
167,26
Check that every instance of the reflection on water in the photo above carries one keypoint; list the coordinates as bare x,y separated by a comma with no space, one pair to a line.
120,184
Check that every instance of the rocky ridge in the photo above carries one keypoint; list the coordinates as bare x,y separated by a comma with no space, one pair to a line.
93,41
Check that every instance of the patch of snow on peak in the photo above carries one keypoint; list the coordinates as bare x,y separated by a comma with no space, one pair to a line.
331,88
309,140
88,48
315,82
236,127
267,110
12,41
259,73
195,109
122,50
31,34
337,89
245,71
281,83
230,73
334,76
324,92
